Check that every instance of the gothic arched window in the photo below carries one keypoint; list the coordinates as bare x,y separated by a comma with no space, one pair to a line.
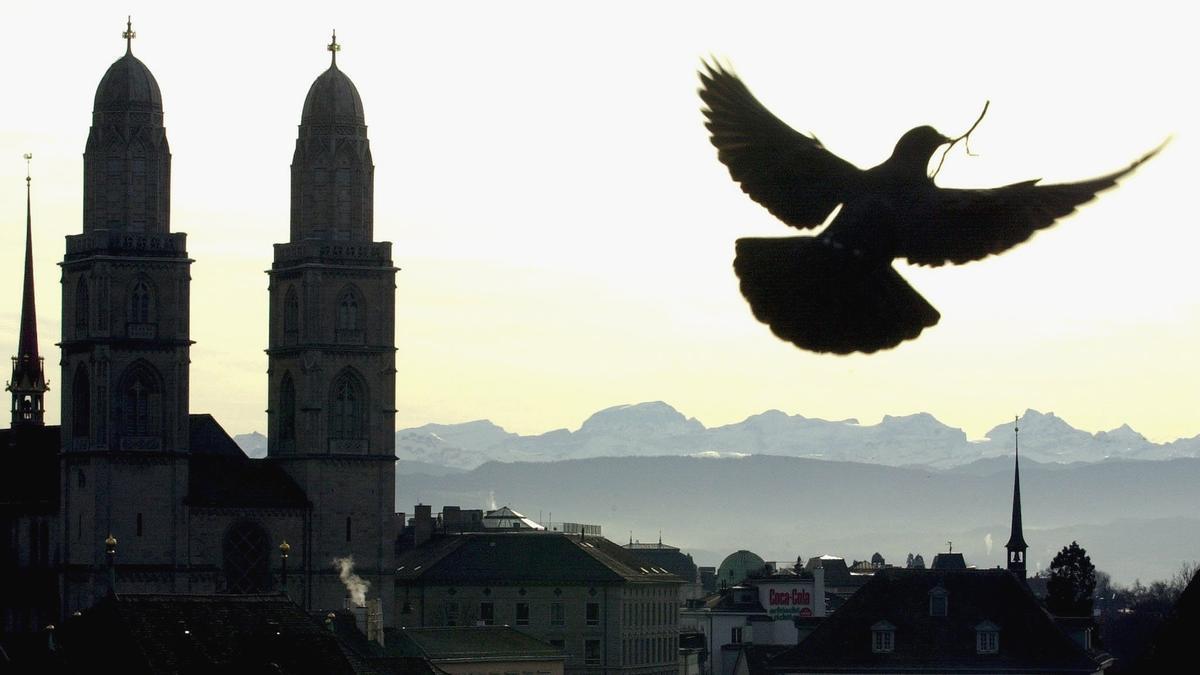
139,303
291,312
81,307
347,407
140,403
287,409
81,403
245,553
347,309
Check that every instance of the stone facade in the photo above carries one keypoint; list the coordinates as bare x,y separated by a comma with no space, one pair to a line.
189,511
332,372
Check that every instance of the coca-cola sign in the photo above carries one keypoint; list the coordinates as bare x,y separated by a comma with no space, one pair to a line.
784,601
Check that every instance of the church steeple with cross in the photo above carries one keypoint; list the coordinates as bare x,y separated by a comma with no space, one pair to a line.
28,384
331,352
1016,545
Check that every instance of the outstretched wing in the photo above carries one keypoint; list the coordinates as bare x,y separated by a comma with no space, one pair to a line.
792,175
964,225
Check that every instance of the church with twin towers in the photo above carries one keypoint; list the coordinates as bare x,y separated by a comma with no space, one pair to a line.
133,490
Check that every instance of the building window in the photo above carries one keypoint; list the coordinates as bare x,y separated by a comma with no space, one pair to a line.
938,601
347,317
735,636
987,638
291,313
522,613
81,308
593,614
81,403
348,528
883,638
246,557
287,409
347,412
591,652
452,614
139,303
557,616
487,613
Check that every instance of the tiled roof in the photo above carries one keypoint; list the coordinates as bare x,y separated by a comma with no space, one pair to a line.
165,634
529,557
221,475
1029,640
471,643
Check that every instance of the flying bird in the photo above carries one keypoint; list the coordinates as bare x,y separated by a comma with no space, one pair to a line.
837,291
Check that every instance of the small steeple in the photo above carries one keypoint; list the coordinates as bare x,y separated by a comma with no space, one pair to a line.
28,383
1016,541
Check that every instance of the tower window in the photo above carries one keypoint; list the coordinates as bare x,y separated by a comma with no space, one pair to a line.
140,412
347,318
347,409
348,528
287,409
81,307
139,303
81,403
291,313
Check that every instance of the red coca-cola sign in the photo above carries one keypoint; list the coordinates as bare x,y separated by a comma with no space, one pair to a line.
789,597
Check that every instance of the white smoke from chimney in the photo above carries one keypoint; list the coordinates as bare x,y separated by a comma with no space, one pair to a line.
987,541
355,585
491,500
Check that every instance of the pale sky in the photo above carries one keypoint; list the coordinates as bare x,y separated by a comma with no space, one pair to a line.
566,232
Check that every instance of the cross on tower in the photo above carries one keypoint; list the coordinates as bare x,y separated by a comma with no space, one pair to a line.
334,47
28,160
129,34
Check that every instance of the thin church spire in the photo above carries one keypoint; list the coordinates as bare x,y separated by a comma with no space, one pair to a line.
1016,545
28,383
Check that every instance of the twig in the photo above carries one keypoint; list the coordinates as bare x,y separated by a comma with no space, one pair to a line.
965,137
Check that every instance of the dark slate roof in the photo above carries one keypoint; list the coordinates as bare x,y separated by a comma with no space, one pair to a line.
758,657
669,558
29,470
522,557
1029,639
164,634
725,602
333,99
474,643
948,561
127,85
221,475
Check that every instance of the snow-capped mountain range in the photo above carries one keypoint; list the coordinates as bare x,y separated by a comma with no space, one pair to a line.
656,428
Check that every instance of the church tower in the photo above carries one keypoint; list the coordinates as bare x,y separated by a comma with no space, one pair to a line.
125,346
28,383
332,372
1016,545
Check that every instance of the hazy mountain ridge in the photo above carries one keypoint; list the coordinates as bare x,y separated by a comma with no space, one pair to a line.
1136,518
656,428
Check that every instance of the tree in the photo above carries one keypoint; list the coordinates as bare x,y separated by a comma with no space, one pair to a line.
877,560
909,563
918,562
1072,582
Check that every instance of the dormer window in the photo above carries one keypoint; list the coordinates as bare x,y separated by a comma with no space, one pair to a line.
883,638
939,603
987,638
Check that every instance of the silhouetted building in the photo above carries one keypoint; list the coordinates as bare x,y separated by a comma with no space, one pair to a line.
940,621
189,512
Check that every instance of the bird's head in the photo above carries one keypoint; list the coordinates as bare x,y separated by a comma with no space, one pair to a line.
919,144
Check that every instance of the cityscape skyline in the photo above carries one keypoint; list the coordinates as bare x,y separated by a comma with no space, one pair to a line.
565,230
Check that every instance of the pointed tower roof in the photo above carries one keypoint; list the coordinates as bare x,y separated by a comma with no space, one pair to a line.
27,347
28,382
333,98
1016,540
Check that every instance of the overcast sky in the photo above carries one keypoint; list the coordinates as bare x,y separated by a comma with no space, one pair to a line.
566,232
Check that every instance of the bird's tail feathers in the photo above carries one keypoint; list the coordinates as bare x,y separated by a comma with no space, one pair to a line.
824,298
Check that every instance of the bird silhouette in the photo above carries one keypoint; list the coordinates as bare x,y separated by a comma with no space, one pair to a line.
837,291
